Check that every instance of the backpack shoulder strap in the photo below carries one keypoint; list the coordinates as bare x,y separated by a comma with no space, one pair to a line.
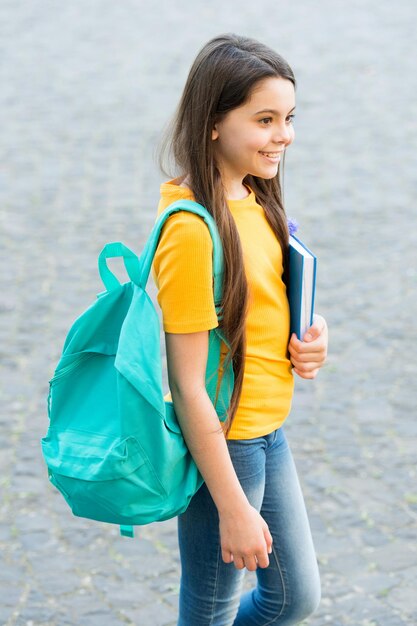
146,258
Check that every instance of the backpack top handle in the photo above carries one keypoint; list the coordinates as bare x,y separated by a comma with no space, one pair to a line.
131,261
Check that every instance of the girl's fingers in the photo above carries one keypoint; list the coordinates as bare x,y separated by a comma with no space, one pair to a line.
239,562
262,559
268,540
304,369
227,556
307,366
308,375
315,330
307,350
251,563
308,358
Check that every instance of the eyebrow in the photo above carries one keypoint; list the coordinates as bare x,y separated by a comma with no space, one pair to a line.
271,111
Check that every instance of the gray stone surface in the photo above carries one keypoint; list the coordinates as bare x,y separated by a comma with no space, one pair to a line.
87,88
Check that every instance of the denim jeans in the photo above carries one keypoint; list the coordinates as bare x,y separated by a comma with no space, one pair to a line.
288,590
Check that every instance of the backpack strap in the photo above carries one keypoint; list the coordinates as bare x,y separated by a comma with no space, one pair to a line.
127,531
151,245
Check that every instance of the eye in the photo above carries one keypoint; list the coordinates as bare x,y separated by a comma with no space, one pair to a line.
291,117
266,121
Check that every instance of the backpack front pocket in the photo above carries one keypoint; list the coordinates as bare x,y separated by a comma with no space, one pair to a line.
108,483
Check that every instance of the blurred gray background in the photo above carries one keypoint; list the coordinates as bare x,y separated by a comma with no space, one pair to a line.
86,90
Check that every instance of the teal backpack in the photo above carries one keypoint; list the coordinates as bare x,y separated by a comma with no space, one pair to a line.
114,448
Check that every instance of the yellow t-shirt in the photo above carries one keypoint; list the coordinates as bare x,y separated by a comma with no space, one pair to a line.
182,271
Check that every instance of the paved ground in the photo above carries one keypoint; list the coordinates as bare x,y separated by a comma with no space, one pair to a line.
86,90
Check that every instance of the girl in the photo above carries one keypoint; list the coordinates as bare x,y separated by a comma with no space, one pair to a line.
230,132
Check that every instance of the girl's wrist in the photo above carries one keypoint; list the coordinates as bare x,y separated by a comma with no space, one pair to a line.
234,507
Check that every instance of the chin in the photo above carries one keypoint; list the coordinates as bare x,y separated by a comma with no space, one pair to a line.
267,176
265,172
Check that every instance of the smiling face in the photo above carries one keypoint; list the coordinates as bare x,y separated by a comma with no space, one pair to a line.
251,138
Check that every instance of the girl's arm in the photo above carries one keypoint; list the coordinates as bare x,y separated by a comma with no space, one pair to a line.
244,535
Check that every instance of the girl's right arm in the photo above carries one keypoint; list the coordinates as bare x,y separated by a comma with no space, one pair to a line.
245,538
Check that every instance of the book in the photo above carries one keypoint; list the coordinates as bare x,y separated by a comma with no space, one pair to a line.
302,286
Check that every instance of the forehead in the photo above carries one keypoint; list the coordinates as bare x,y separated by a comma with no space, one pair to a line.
272,93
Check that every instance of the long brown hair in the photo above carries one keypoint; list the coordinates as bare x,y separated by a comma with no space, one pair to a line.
221,79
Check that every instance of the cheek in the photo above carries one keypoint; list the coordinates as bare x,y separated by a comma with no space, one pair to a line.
240,142
257,142
253,142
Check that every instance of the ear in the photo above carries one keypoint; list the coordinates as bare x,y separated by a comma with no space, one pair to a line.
214,133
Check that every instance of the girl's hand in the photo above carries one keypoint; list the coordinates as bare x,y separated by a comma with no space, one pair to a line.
309,355
245,538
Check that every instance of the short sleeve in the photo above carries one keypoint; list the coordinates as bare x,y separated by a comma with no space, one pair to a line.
183,272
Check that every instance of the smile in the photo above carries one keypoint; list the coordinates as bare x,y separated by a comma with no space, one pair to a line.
271,156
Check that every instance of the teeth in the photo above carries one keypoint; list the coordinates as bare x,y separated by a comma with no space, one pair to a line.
270,154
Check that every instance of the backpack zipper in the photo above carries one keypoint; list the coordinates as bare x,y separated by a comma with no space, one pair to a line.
73,365
63,372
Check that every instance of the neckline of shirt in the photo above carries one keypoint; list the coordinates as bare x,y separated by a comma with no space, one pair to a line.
172,189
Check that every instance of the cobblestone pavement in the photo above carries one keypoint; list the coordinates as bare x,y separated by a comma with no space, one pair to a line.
86,90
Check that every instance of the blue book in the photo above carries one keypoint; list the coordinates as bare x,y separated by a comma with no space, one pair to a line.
302,286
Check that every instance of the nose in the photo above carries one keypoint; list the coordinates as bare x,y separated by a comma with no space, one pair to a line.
284,134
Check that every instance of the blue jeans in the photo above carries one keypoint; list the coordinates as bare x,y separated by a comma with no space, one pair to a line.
288,590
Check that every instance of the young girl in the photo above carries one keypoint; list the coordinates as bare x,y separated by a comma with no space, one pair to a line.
232,127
